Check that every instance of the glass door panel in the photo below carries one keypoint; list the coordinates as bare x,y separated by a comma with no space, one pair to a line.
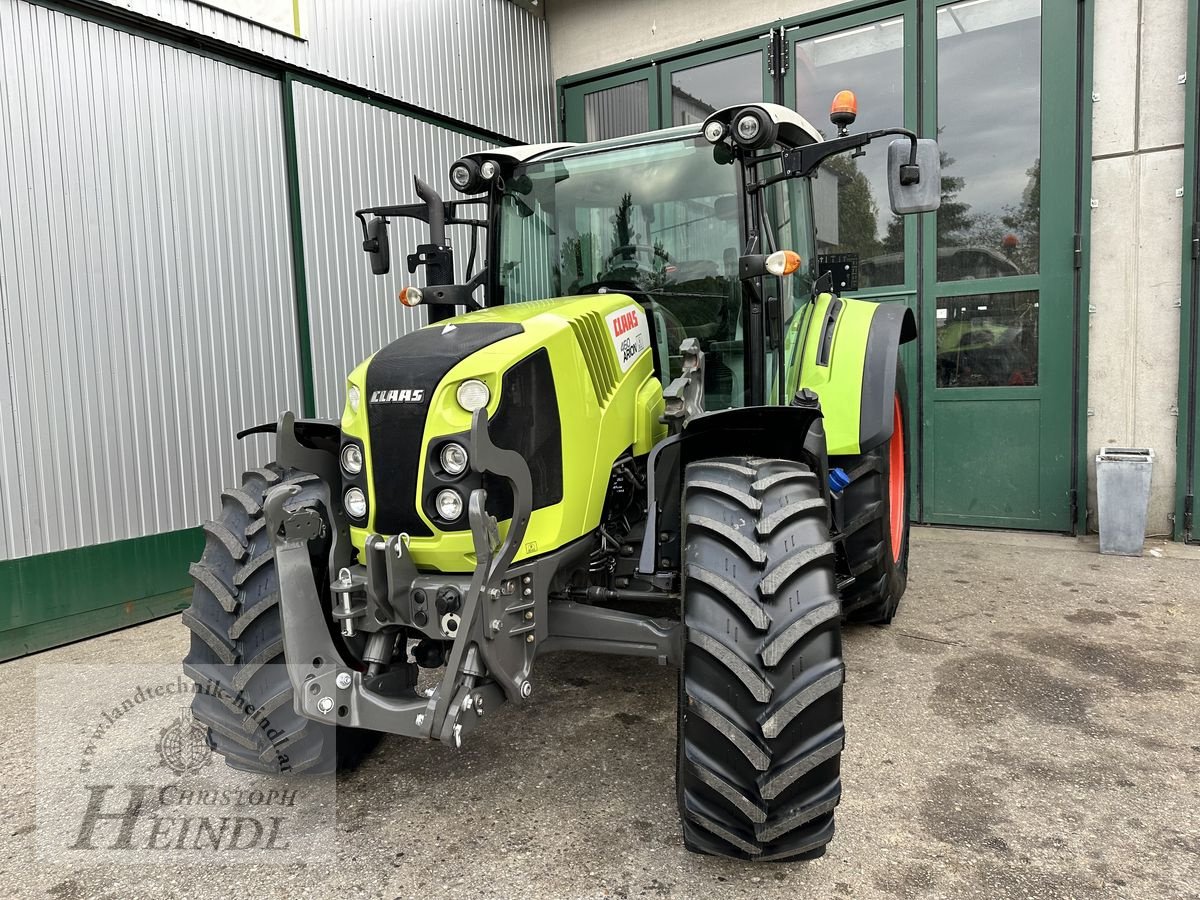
989,130
850,193
699,91
617,111
612,107
987,340
695,87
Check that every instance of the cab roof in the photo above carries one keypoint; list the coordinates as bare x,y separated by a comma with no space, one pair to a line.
794,130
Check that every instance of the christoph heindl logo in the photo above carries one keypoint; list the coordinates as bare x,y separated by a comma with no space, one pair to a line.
127,772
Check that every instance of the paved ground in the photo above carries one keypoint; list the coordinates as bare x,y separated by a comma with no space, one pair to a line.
1026,728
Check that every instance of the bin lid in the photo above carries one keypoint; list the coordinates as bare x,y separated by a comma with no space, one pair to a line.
1125,454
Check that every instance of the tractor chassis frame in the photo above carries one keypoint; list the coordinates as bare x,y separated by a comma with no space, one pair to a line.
509,613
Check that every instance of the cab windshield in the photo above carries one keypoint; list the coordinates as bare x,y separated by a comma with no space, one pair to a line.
657,221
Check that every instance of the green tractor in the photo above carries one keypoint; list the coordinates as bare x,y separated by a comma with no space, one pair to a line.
645,426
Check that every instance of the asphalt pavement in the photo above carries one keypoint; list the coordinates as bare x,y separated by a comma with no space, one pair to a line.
1026,728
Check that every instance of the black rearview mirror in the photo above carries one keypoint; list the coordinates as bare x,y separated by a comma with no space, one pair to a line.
914,188
377,246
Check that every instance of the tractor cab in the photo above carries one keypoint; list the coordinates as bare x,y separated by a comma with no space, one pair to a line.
657,220
681,220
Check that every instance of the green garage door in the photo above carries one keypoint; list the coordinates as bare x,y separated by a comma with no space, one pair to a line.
998,263
994,268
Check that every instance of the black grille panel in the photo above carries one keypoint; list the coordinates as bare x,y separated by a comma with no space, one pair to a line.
415,362
527,421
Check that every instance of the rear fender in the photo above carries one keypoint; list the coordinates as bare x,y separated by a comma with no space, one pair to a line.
774,432
849,361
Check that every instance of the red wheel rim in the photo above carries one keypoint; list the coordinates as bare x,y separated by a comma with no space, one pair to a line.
896,498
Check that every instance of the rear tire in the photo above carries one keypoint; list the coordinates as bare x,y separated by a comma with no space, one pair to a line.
877,552
760,704
236,655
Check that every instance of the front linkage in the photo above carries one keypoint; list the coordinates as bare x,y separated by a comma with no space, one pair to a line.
497,619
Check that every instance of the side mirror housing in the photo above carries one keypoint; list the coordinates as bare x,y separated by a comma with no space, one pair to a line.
377,247
914,189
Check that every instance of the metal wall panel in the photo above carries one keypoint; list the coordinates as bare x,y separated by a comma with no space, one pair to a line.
484,62
148,307
352,155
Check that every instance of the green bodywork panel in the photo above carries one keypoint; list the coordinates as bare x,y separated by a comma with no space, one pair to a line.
839,382
608,407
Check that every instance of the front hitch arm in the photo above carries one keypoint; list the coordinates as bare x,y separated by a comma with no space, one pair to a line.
507,661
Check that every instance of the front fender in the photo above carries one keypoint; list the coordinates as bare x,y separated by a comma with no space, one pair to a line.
849,361
787,432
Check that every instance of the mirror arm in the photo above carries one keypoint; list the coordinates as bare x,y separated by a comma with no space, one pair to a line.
420,212
800,162
455,294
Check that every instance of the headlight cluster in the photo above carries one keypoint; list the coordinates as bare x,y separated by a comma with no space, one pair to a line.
453,459
471,177
751,128
354,500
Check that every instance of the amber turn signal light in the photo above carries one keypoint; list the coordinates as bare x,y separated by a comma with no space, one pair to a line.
783,262
410,296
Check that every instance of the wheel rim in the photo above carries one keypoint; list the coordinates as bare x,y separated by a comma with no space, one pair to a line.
896,486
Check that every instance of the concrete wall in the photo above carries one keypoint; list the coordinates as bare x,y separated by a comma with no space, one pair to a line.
583,36
1137,222
1137,168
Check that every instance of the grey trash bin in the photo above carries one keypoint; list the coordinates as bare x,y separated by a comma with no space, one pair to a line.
1123,490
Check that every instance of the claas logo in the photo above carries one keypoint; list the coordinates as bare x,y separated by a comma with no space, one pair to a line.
625,322
407,395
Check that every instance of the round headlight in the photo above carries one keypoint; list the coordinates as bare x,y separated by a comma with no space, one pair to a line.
753,129
461,175
748,127
352,460
449,504
353,398
487,170
356,503
454,459
714,131
473,394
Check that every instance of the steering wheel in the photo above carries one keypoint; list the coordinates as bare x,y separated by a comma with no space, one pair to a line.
626,256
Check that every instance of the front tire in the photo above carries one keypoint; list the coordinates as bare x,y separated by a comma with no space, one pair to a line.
760,706
236,656
874,510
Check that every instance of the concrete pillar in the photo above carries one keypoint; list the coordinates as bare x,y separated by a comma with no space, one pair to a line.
1137,169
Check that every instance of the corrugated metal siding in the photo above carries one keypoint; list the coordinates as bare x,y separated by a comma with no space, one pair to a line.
352,155
148,307
484,62
9,473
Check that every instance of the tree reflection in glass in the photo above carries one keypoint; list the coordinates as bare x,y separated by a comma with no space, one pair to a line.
850,196
989,128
